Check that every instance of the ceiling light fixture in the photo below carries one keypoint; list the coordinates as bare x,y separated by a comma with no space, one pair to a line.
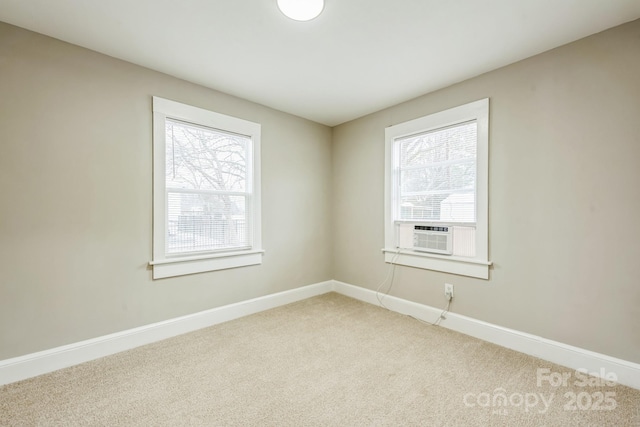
301,10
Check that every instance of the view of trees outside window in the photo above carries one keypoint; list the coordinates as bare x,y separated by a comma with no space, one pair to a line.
437,175
207,187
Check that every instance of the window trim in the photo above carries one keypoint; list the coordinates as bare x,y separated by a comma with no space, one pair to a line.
170,265
477,266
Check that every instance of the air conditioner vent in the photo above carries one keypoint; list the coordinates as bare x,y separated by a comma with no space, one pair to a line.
436,239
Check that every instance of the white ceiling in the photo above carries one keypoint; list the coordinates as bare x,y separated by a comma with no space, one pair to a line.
358,57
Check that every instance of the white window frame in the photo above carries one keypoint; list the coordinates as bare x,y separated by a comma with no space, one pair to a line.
477,266
177,265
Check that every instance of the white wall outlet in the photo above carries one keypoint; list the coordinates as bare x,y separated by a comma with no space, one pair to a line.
448,291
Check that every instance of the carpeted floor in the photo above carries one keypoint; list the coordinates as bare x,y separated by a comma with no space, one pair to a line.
325,361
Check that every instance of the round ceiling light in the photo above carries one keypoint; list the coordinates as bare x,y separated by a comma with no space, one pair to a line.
301,10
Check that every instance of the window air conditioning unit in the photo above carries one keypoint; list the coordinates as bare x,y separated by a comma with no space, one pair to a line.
436,239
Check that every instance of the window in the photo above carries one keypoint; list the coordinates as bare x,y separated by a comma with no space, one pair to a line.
436,191
206,182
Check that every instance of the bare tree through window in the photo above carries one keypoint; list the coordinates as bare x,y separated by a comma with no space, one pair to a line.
207,188
438,174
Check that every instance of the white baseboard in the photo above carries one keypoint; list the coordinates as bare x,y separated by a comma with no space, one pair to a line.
628,373
31,365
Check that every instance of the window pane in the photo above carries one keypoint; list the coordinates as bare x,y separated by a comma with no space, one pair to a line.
438,179
442,145
205,222
437,175
448,207
200,158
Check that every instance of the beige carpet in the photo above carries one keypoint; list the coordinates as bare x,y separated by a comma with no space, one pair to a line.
326,361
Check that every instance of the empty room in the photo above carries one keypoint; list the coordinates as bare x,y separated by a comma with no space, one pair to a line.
320,213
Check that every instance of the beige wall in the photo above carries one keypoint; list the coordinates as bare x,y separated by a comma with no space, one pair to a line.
75,198
564,197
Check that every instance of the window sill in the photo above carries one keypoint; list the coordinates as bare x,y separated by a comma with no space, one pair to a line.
172,267
447,264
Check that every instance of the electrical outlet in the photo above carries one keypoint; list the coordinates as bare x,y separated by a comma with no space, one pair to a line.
448,291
